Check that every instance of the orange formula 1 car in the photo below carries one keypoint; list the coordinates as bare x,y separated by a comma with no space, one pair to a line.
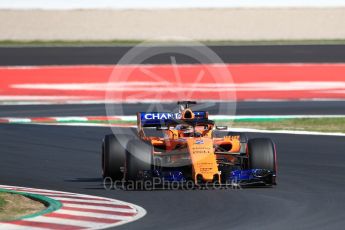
187,146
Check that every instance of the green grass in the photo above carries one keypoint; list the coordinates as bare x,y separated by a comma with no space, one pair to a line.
302,124
2,203
14,206
162,43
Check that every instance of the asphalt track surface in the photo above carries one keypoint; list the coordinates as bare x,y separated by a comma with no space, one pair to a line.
310,192
311,180
229,54
242,108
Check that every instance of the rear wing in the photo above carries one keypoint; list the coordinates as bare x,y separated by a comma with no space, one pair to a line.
157,119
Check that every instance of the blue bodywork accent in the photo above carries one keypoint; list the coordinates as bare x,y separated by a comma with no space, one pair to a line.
249,174
238,176
170,176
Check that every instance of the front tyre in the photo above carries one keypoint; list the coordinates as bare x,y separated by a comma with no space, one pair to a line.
262,155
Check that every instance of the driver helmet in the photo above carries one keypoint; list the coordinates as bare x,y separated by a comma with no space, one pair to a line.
187,129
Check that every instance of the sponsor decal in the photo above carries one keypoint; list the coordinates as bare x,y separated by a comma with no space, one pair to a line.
167,116
160,116
199,142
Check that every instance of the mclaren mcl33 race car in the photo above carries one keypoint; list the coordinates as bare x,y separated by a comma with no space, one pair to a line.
187,146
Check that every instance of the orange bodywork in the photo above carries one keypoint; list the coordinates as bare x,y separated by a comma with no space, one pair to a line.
204,162
203,151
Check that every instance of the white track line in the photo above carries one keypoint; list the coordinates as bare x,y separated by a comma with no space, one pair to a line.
17,227
294,132
286,132
91,214
53,220
100,208
232,129
84,200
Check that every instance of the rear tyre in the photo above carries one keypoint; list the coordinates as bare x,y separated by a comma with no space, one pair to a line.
138,159
262,155
113,155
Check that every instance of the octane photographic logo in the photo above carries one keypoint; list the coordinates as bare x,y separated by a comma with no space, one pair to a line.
162,184
138,85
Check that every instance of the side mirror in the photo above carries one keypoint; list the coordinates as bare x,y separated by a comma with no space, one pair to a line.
222,127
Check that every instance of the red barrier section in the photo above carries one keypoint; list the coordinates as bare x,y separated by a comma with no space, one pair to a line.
168,82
